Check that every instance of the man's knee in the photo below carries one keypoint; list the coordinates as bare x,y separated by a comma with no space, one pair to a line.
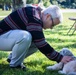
25,36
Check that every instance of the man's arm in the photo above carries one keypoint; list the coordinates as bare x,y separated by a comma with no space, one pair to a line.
39,40
35,28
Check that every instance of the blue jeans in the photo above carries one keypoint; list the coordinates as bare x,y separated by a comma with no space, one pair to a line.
20,43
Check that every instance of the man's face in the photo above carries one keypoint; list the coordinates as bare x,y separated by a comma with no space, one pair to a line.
49,22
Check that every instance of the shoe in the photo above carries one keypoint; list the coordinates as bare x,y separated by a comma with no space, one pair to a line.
22,66
8,60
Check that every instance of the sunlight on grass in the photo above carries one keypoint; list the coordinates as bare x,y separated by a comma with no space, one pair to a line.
37,62
4,13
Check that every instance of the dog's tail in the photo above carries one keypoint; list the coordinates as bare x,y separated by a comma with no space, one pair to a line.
72,73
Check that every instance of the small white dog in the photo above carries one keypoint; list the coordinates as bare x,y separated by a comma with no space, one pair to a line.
67,69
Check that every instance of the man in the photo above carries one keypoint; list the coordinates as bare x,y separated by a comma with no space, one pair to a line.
22,33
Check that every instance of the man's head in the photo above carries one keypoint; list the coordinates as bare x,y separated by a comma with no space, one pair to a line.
51,16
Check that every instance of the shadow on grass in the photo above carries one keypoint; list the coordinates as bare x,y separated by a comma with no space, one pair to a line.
46,72
3,68
57,40
6,70
34,63
61,30
67,46
71,45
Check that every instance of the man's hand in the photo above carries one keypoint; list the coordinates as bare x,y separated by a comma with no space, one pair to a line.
66,59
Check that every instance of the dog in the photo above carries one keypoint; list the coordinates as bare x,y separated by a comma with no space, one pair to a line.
68,68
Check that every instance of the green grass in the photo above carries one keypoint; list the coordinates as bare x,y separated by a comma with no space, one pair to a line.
4,13
37,62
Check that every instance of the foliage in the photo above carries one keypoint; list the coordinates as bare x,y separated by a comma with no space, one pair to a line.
32,1
46,2
5,1
64,3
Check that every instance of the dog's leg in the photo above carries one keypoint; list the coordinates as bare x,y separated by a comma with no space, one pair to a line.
57,66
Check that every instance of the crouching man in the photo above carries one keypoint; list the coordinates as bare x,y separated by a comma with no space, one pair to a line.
22,33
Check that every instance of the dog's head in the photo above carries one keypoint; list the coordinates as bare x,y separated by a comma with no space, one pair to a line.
66,52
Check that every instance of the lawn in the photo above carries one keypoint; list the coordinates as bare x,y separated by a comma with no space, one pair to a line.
36,64
4,13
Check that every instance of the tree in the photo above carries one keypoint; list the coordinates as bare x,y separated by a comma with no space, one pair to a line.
65,3
4,3
32,1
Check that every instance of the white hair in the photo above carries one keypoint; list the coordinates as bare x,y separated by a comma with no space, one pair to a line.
54,11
